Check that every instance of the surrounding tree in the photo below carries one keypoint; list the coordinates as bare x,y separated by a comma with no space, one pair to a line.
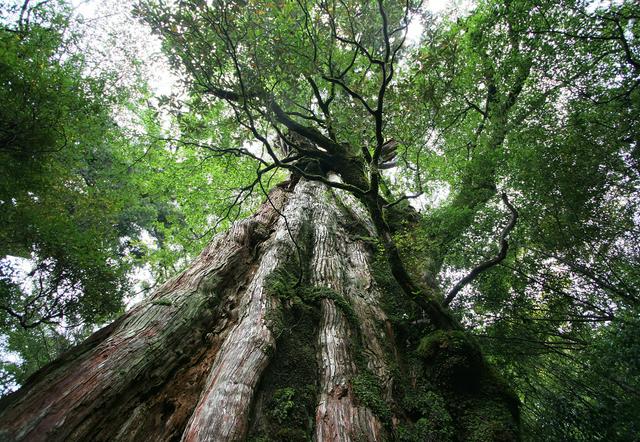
61,157
505,308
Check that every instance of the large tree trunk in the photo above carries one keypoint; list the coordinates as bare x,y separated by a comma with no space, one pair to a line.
275,332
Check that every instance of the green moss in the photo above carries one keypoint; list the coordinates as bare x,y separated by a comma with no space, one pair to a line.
283,284
449,393
452,359
442,386
424,430
313,295
371,240
303,302
289,413
487,420
400,216
401,311
393,301
288,387
275,322
290,435
282,403
209,284
268,350
366,388
498,388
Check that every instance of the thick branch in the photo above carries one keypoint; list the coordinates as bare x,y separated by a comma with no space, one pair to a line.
310,133
281,116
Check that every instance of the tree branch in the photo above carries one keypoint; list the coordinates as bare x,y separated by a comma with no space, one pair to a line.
485,265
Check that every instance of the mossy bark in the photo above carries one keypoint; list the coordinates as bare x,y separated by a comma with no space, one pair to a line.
286,327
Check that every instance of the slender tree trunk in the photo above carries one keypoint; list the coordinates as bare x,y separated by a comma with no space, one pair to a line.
275,332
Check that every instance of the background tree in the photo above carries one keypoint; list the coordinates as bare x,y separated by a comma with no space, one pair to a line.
62,156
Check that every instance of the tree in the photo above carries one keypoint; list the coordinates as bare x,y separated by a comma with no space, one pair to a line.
324,314
73,191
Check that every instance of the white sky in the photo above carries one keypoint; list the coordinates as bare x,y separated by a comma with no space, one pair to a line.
109,23
436,6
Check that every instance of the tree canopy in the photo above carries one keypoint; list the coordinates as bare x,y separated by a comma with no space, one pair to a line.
497,152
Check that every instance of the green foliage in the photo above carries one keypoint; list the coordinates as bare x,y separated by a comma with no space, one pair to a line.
366,388
282,404
588,392
568,162
60,159
90,189
70,196
25,351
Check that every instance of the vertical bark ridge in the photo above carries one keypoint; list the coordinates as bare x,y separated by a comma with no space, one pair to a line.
364,295
364,298
341,263
223,409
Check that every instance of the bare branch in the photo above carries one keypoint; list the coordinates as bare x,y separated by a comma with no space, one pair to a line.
403,198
